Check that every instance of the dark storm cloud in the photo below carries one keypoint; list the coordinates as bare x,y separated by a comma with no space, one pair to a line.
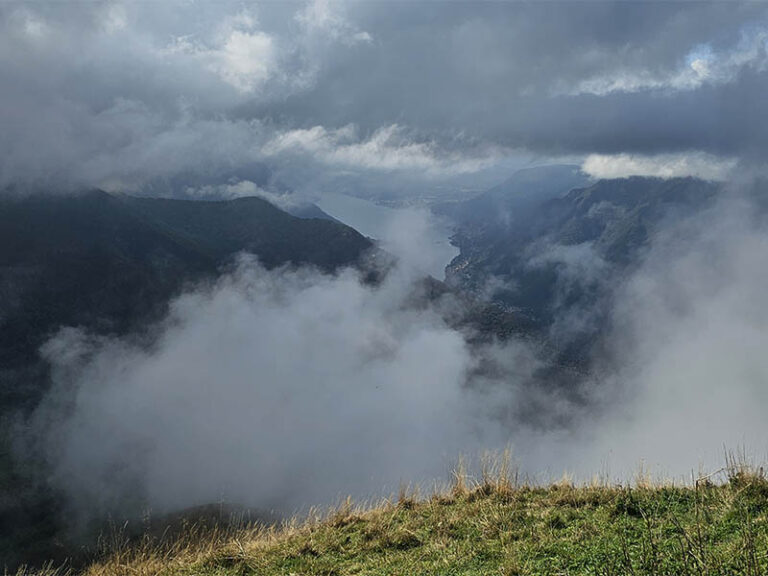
125,94
510,73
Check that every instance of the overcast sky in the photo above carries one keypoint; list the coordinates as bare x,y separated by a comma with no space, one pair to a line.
166,97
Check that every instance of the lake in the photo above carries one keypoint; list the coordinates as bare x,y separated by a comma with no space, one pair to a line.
414,235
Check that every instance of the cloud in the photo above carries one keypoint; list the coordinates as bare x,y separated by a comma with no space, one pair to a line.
434,90
233,189
409,228
695,164
242,55
702,66
491,73
689,327
245,59
274,389
243,188
679,375
387,149
156,80
326,18
581,270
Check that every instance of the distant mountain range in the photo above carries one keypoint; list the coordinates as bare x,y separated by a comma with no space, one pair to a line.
515,200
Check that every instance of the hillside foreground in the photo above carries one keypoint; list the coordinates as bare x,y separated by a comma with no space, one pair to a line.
491,526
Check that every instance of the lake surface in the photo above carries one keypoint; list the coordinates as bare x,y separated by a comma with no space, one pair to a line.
414,235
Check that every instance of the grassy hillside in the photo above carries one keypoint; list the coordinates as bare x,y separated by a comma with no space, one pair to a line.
495,527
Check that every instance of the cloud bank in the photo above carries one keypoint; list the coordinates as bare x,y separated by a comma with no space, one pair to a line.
694,164
689,327
272,389
288,388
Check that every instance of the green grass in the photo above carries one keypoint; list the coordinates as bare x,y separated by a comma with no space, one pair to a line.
494,527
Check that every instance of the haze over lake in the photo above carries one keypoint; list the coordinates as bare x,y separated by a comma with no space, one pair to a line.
384,224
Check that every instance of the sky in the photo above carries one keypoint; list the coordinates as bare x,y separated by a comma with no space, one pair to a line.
212,98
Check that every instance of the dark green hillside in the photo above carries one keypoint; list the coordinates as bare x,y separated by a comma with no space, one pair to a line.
219,229
111,262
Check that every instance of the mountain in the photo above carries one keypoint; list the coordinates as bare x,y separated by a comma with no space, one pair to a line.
549,254
309,211
110,264
514,200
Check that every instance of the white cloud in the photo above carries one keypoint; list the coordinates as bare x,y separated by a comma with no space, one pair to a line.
235,188
690,333
325,18
269,388
240,54
702,66
141,146
388,148
246,60
228,191
697,164
362,37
